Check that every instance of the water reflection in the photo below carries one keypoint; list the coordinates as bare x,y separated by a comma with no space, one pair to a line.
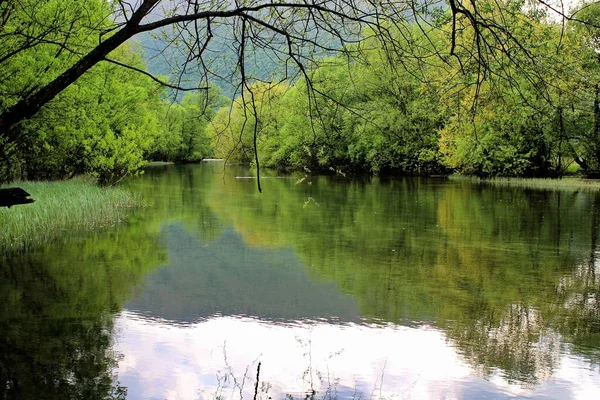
218,358
406,288
226,277
498,275
56,314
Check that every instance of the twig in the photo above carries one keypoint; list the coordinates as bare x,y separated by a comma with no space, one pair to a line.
257,379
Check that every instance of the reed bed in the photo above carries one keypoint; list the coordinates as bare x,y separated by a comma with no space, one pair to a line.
61,209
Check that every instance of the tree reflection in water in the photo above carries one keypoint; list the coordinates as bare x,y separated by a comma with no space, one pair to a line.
56,314
503,282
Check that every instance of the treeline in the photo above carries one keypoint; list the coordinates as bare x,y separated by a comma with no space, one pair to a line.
516,100
530,109
110,120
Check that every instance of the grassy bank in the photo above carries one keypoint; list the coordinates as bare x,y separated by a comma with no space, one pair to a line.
566,183
61,208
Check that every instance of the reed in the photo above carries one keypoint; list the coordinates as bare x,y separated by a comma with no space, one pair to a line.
62,209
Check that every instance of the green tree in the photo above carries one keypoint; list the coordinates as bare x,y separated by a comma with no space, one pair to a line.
199,111
582,41
184,131
254,114
368,115
103,124
528,119
296,32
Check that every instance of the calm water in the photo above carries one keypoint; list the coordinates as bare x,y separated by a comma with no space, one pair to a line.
338,288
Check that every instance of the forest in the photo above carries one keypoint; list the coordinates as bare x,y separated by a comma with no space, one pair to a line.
504,88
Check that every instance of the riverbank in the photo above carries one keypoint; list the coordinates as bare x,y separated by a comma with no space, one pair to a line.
567,183
61,207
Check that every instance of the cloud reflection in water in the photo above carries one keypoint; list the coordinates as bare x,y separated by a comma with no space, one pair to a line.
219,357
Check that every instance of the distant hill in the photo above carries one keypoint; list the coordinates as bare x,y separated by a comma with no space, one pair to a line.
163,57
266,55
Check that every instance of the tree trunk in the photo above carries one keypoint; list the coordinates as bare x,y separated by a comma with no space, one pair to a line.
28,107
561,127
597,126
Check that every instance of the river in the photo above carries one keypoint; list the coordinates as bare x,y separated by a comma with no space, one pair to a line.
322,287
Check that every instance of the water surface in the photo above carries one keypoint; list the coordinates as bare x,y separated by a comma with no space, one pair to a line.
338,288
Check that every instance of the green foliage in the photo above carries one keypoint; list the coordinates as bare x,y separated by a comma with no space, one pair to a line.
232,129
107,122
535,116
359,116
400,104
406,109
40,40
184,137
503,137
102,124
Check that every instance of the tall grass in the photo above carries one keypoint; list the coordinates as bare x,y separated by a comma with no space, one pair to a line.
567,183
61,209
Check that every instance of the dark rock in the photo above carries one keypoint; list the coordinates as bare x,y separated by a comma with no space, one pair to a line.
14,196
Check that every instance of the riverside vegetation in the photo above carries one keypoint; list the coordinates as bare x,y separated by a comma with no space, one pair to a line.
416,101
60,208
426,106
506,279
